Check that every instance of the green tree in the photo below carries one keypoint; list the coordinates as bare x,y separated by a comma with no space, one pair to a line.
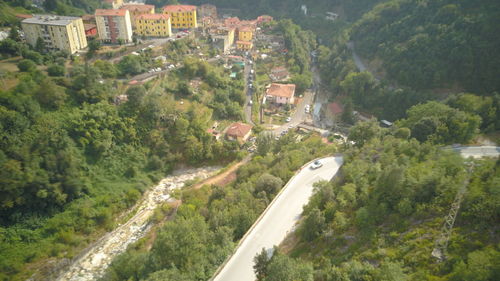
56,70
26,65
261,261
268,184
313,226
284,268
363,132
264,143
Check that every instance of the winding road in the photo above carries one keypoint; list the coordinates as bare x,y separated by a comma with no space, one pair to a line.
276,221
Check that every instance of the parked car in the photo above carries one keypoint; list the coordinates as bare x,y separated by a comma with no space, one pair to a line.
288,119
316,164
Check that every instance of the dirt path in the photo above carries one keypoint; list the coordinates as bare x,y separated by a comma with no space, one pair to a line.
96,258
224,177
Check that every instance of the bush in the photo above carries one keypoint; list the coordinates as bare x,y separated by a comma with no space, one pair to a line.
26,65
56,70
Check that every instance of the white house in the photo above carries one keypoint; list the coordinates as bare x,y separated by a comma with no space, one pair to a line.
281,93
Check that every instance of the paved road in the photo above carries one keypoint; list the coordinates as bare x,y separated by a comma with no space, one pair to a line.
478,151
299,115
277,220
247,108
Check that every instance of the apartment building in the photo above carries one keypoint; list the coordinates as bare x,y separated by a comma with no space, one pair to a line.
58,33
245,33
155,25
114,26
181,16
136,10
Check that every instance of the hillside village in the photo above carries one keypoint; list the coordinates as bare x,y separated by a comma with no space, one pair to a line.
138,27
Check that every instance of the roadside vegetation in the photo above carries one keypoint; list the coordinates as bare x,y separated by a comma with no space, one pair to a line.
379,220
211,220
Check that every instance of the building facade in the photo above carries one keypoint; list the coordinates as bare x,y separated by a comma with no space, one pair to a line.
58,33
244,45
154,25
136,10
181,16
245,33
113,26
281,93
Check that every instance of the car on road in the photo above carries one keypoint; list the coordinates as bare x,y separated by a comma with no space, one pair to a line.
316,164
288,119
307,110
250,102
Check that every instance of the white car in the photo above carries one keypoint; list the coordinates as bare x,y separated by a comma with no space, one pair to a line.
288,119
316,164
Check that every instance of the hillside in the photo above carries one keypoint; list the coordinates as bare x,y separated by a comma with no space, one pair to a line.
434,44
381,218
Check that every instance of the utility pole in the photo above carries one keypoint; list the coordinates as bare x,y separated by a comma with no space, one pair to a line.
441,243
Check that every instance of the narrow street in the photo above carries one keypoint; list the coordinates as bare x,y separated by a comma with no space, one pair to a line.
247,108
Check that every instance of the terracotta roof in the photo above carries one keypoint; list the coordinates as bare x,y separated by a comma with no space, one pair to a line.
281,90
111,12
245,29
138,7
335,108
264,18
243,42
88,26
238,129
153,17
24,16
179,8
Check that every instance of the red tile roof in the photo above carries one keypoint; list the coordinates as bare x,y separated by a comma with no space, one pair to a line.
24,16
245,29
138,7
153,17
281,90
179,8
335,108
111,12
238,130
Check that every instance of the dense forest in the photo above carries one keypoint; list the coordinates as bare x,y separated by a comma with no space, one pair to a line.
380,218
415,53
434,44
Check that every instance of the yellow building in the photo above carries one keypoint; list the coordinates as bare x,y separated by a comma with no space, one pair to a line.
244,45
136,10
245,33
182,16
155,25
57,32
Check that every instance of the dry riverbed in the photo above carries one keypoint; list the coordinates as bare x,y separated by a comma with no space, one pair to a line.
93,264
